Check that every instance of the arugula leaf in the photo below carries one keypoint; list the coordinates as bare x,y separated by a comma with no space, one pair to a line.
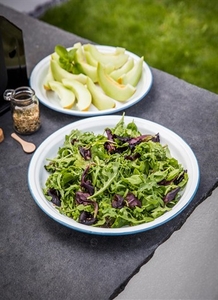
143,175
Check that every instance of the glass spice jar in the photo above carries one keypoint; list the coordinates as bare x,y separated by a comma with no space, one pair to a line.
24,109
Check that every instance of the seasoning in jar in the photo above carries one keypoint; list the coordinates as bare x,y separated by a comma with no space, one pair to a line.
24,109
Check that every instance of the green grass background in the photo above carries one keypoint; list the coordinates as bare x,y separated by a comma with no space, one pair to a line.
179,37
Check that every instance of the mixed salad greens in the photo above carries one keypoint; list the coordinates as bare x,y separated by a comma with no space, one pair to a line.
118,178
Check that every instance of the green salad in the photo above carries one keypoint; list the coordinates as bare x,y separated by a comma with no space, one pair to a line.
118,178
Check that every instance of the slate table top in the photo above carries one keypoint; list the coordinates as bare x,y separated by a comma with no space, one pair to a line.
40,258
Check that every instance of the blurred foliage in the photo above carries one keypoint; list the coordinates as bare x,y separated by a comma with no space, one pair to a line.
178,37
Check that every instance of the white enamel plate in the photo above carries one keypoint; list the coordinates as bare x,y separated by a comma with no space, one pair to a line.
37,175
50,99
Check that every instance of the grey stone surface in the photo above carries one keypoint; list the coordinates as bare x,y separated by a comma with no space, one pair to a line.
34,8
185,267
41,259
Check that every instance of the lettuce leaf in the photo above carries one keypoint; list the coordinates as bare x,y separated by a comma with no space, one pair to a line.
136,169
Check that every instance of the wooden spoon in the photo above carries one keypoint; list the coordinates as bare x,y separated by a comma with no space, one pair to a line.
27,147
